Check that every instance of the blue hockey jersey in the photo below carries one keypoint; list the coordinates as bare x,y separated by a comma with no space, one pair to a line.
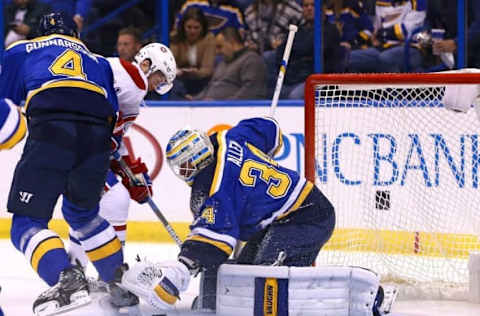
248,190
12,124
31,68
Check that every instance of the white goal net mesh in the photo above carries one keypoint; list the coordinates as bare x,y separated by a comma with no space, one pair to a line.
403,173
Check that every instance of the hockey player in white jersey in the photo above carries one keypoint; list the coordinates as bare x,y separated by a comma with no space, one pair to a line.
154,69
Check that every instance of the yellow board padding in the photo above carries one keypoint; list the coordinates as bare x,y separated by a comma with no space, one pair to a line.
141,231
352,239
446,245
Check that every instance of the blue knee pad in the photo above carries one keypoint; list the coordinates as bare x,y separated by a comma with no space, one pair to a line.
22,224
77,217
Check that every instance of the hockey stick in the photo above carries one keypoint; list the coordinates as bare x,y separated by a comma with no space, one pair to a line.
292,29
150,202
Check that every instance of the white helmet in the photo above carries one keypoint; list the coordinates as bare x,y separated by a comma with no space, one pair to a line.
188,152
161,58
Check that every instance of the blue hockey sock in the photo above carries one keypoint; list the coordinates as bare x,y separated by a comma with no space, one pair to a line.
97,237
42,247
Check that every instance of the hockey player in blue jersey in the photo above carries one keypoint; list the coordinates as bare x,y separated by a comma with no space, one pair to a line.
239,193
13,126
71,108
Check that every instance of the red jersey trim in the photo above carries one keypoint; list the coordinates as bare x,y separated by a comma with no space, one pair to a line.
134,74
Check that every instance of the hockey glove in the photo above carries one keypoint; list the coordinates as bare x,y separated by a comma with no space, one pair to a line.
159,284
140,187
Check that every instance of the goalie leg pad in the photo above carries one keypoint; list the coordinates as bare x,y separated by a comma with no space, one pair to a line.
330,290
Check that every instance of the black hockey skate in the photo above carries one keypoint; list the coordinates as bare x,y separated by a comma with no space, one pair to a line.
70,292
120,297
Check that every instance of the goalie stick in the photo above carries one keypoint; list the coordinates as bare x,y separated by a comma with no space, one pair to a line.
292,29
150,202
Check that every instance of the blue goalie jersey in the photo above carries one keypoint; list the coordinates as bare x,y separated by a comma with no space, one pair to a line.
62,64
247,189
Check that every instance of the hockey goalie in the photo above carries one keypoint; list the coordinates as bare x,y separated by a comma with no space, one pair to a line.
239,193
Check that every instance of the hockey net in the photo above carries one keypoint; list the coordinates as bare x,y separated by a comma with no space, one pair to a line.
403,173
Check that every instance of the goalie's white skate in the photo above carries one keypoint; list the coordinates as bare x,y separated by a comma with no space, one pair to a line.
390,293
69,293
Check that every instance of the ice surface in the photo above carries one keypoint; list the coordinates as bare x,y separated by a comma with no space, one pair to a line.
21,286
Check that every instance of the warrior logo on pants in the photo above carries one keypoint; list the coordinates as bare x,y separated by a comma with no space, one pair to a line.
25,196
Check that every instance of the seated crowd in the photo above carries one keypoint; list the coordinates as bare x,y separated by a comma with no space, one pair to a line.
232,49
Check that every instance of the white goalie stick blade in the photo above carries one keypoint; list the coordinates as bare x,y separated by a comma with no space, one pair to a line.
78,299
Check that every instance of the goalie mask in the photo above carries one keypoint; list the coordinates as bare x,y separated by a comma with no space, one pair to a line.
188,152
161,59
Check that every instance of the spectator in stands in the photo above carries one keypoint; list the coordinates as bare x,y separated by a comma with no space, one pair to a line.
442,14
353,21
241,74
129,42
194,49
394,22
21,19
267,22
219,13
267,28
301,63
78,10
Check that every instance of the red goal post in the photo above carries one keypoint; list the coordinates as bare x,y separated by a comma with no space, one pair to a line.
402,172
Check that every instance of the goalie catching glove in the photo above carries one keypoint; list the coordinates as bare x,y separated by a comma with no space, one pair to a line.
140,188
159,284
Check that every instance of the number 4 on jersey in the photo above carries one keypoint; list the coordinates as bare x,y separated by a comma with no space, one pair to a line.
68,64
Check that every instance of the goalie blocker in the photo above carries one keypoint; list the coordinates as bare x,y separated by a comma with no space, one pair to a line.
328,290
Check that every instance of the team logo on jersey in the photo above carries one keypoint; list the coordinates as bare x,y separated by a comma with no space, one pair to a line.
25,197
208,215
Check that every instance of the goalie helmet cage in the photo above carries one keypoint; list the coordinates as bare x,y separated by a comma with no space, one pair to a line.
402,172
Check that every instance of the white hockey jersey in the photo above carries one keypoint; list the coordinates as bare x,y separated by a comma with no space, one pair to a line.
130,84
13,126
